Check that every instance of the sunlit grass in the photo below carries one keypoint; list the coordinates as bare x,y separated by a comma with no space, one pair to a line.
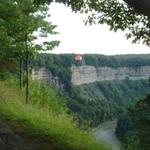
45,116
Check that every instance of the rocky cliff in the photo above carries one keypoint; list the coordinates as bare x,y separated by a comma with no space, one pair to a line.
9,140
45,75
89,74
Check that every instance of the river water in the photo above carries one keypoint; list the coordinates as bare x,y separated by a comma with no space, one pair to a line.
105,133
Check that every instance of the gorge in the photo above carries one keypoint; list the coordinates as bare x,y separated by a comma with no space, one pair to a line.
101,87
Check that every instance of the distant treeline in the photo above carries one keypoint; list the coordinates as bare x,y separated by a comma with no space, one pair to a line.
60,64
96,60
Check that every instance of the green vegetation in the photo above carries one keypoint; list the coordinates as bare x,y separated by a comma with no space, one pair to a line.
126,15
60,64
133,128
19,20
100,101
44,118
96,60
47,117
97,102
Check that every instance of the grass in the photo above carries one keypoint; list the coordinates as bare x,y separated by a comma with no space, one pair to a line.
45,119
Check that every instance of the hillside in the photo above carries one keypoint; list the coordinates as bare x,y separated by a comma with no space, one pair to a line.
103,86
43,124
100,101
133,128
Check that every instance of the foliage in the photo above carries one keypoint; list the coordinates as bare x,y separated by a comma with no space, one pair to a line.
140,6
132,18
120,16
6,40
97,102
133,128
42,118
141,117
60,64
124,125
18,23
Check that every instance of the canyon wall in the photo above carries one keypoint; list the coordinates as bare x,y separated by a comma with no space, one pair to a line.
89,74
44,75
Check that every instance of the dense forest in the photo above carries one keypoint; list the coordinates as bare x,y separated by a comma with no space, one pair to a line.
36,116
133,126
99,101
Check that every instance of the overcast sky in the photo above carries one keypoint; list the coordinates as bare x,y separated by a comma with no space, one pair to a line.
75,37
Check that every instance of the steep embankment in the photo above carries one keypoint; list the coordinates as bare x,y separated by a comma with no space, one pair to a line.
43,124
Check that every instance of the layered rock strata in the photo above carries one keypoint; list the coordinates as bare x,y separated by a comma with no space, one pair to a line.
89,74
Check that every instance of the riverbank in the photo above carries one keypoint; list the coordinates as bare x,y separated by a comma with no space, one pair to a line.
106,133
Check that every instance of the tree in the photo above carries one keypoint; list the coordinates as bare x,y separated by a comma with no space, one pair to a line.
33,19
141,118
133,127
120,16
18,29
7,42
131,16
140,6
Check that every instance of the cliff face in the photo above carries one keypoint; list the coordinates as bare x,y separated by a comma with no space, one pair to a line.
44,75
89,74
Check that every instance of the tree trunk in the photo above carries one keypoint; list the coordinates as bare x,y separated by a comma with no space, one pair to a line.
21,73
27,78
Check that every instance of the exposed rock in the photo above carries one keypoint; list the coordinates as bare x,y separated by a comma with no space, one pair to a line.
44,75
89,74
9,140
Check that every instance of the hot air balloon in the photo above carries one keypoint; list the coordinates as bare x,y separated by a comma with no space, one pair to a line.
78,57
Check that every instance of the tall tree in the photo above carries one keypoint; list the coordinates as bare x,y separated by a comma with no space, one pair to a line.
21,27
7,41
119,15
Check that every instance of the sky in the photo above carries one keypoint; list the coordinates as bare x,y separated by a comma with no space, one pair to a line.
77,38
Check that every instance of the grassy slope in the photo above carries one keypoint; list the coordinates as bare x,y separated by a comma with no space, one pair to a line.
44,123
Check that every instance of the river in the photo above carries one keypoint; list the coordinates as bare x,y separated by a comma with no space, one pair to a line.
106,133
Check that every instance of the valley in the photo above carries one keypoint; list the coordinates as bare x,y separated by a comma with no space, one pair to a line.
71,98
100,87
106,133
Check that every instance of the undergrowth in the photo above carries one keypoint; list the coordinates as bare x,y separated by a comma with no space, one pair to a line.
45,116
